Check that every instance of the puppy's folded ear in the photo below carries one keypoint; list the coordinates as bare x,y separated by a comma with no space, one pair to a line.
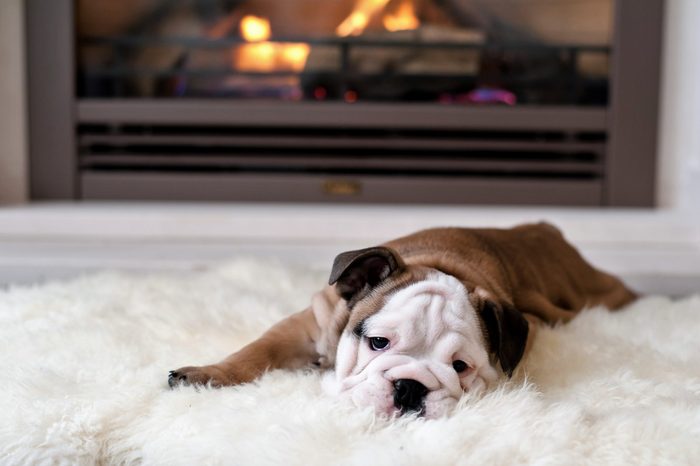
355,273
507,332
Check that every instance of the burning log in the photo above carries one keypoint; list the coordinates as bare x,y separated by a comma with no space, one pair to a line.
369,70
406,57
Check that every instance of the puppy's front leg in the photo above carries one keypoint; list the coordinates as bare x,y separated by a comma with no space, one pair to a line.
305,338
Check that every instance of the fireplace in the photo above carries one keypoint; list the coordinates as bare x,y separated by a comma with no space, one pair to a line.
450,101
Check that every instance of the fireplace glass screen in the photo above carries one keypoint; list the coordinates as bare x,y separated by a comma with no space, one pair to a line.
452,52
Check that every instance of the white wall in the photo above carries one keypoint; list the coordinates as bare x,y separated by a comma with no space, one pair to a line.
13,141
679,142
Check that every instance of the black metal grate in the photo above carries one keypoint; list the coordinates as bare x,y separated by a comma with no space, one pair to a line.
535,73
337,151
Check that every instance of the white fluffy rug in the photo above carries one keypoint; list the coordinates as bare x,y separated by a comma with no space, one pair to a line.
84,367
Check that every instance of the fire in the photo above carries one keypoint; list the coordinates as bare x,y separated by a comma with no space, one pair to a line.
260,55
296,54
403,20
254,29
365,10
358,20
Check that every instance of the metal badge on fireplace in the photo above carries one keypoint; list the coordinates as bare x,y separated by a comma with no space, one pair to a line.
342,187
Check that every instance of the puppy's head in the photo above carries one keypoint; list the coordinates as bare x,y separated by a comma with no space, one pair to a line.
416,338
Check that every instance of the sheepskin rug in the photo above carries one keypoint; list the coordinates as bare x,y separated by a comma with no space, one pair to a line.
84,367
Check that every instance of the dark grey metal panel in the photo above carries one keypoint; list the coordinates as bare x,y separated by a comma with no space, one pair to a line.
50,74
311,188
343,142
95,161
424,116
635,80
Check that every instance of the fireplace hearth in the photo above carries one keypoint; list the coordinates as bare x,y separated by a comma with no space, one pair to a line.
450,101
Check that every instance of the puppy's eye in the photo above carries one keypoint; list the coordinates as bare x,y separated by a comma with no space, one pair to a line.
378,343
460,366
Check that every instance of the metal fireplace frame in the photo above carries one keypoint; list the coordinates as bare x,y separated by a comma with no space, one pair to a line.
626,168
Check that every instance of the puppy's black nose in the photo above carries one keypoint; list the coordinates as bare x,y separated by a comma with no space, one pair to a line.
409,394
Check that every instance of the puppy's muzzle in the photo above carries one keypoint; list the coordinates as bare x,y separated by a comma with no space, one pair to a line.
409,394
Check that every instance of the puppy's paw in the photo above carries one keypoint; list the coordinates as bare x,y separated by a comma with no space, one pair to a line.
201,375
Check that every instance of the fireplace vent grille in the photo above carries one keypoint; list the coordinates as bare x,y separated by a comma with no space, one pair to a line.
333,151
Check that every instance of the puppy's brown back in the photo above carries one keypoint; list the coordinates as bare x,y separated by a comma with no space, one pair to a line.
519,265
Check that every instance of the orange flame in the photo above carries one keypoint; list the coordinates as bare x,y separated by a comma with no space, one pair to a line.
358,20
255,29
403,20
365,10
263,56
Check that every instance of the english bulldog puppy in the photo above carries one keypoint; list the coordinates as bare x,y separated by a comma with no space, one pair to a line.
410,325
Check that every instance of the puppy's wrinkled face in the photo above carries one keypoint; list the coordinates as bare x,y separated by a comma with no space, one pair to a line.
416,347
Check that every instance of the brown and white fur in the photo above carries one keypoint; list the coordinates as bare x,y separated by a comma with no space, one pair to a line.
412,324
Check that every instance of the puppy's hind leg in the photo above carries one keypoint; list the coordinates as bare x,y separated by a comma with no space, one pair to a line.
616,295
536,304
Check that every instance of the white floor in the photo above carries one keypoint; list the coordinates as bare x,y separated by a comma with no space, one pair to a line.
655,251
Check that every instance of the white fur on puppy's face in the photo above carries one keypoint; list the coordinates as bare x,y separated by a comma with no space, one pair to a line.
429,325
